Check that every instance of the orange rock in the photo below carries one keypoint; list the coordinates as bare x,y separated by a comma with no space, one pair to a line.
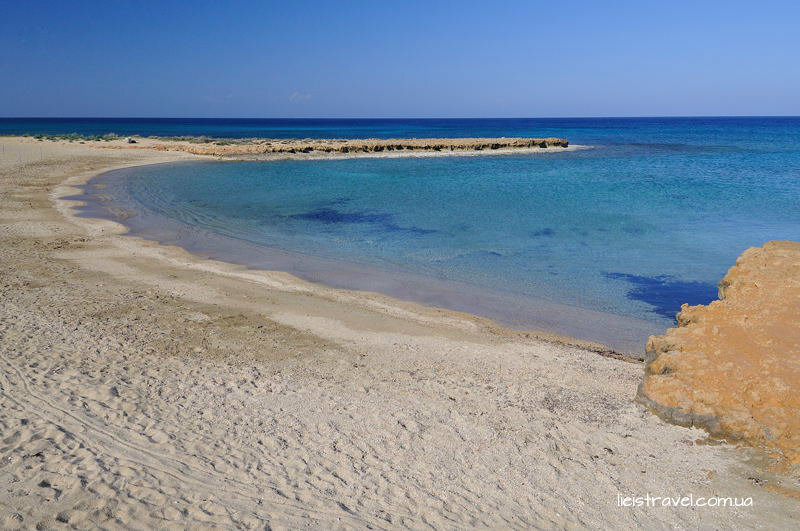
733,367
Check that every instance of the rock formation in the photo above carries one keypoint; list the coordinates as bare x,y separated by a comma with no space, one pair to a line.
733,367
256,146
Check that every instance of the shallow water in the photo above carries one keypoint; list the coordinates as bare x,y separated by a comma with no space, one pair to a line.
650,217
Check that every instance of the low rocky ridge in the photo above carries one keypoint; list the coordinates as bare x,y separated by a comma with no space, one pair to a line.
733,366
379,145
254,146
271,149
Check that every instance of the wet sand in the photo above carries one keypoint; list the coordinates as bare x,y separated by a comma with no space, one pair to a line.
144,387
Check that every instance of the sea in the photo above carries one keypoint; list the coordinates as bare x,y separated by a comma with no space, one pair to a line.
603,243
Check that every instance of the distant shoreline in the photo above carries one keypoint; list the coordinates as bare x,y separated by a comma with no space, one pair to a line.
272,149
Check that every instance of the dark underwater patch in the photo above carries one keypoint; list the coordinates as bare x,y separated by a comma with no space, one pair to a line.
473,256
632,229
547,231
384,221
330,215
665,293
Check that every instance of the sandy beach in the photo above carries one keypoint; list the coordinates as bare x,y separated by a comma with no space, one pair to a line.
146,388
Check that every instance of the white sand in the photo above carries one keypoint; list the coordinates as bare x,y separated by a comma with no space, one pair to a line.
143,388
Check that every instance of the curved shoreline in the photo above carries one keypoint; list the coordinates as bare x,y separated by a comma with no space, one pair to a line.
606,333
68,193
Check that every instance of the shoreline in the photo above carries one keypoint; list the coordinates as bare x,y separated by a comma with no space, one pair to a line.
67,194
201,394
166,145
605,333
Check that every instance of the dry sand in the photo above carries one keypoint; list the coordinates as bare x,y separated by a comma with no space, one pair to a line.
144,388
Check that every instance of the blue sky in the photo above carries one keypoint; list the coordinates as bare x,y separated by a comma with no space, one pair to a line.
399,59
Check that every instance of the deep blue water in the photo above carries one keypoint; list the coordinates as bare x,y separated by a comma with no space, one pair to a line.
671,131
650,217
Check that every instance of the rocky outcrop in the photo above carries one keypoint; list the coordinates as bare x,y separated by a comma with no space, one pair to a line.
254,146
733,367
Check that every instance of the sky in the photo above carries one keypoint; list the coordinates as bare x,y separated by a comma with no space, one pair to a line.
408,59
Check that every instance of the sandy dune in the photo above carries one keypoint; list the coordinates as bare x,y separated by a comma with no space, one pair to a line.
143,388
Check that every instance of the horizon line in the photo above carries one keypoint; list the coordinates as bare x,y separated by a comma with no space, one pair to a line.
394,117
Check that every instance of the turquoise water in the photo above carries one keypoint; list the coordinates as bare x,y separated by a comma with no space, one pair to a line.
651,216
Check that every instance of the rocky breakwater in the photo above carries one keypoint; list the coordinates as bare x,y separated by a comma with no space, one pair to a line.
733,367
233,147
